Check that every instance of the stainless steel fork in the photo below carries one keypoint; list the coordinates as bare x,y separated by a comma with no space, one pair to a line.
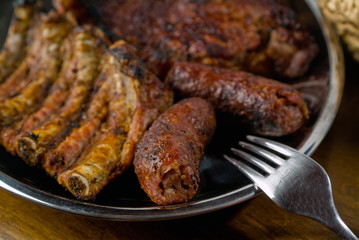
294,181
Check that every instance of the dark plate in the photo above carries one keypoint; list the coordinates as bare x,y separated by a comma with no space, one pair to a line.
221,184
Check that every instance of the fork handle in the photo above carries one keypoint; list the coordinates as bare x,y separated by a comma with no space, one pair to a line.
341,229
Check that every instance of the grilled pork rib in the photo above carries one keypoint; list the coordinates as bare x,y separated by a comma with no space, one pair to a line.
22,73
65,154
137,98
87,53
54,29
261,36
15,46
58,94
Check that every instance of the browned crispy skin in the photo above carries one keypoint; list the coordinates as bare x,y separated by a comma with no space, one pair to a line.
88,50
259,35
137,98
15,46
168,157
53,31
270,107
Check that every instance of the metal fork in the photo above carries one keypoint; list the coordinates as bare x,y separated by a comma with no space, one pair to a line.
294,181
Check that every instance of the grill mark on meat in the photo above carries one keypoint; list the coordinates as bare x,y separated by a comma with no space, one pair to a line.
168,156
87,52
270,107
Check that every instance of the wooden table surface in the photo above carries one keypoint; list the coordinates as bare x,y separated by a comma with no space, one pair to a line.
258,218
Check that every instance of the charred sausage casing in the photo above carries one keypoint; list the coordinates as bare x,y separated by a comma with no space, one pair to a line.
270,107
167,158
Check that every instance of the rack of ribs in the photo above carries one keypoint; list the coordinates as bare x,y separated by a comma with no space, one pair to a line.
52,31
137,98
78,103
87,51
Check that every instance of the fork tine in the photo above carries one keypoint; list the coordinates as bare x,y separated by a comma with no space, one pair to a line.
255,161
263,153
248,171
280,148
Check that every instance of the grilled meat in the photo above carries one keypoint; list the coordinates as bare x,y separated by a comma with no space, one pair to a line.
270,107
137,98
260,36
15,46
169,154
23,72
87,53
57,96
65,154
54,29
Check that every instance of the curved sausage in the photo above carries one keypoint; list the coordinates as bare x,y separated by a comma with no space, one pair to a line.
167,158
270,107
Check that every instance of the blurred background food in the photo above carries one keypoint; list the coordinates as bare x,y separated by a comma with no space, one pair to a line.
345,16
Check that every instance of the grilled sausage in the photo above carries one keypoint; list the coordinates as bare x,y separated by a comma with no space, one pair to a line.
167,158
270,107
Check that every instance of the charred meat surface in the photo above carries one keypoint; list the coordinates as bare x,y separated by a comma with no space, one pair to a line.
260,36
270,107
168,156
137,98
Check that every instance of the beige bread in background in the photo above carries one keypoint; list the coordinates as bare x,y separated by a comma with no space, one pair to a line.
345,15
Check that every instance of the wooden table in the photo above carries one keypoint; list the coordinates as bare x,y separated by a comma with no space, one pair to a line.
258,218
